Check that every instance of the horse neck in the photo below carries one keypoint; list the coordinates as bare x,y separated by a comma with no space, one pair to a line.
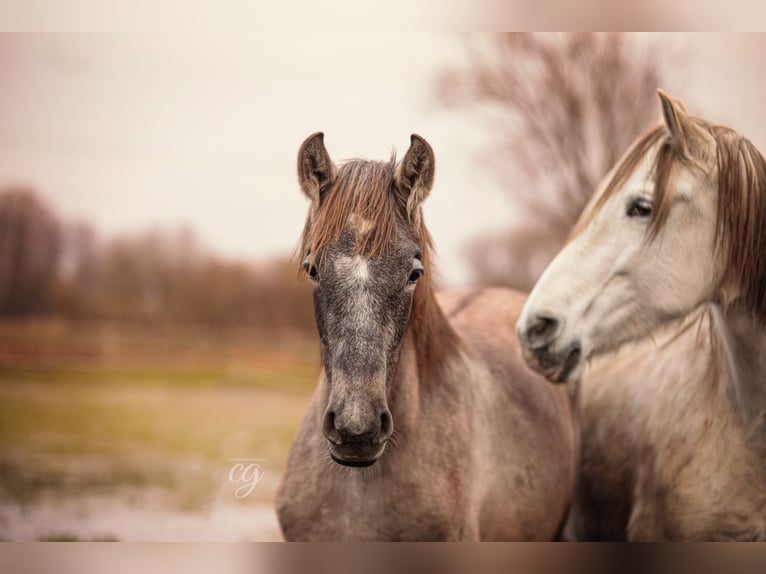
744,350
428,350
434,340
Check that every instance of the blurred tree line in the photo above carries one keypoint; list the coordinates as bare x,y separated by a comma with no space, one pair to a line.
49,267
563,109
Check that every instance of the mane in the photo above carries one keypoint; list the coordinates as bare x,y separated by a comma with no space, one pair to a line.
621,173
741,224
364,189
367,191
740,238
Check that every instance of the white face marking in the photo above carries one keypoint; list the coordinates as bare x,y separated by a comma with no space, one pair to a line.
355,268
354,274
361,225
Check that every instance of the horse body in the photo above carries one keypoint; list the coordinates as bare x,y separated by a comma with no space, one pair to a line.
672,247
666,452
482,448
494,464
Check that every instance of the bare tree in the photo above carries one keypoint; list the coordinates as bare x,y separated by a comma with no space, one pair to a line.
166,276
160,276
565,107
29,252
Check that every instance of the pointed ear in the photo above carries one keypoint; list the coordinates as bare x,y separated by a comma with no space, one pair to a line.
415,174
316,171
674,114
685,133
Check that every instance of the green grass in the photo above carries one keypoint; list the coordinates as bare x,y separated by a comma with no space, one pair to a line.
106,429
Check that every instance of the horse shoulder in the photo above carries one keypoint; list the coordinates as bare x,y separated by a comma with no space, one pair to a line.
305,493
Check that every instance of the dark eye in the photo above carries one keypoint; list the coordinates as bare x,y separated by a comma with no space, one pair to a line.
639,207
415,274
311,271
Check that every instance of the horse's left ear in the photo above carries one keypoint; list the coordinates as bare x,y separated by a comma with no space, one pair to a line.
316,171
415,174
686,135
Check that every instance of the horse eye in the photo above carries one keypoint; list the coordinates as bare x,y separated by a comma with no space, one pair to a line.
640,208
415,274
311,270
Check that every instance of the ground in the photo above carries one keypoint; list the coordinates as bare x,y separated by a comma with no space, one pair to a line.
114,432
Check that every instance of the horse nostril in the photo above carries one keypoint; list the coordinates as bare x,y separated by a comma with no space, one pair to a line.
541,330
386,427
576,351
329,430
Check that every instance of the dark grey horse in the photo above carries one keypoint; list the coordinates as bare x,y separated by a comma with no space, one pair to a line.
426,425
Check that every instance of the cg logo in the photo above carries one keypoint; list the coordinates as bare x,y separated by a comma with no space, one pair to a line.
247,473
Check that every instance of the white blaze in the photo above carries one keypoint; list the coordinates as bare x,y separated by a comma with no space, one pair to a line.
354,268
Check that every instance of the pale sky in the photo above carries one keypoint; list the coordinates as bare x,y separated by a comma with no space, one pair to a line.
134,131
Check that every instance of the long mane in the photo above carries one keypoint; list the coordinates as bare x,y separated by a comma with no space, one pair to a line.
741,225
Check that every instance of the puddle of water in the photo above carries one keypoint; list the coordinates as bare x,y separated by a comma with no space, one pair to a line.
114,519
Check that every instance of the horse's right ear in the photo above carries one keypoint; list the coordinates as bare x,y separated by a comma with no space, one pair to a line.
316,171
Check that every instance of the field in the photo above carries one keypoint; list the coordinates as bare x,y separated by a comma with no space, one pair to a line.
130,432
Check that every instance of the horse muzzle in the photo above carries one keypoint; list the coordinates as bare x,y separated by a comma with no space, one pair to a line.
357,441
540,335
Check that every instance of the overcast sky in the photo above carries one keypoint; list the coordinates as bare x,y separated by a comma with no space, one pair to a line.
134,131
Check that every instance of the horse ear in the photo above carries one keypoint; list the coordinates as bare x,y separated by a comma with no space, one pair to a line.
316,171
415,174
684,132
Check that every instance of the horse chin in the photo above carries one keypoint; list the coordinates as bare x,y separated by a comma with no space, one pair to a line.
572,366
356,461
558,367
353,463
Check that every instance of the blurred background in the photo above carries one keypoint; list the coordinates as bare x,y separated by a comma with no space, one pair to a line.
154,332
